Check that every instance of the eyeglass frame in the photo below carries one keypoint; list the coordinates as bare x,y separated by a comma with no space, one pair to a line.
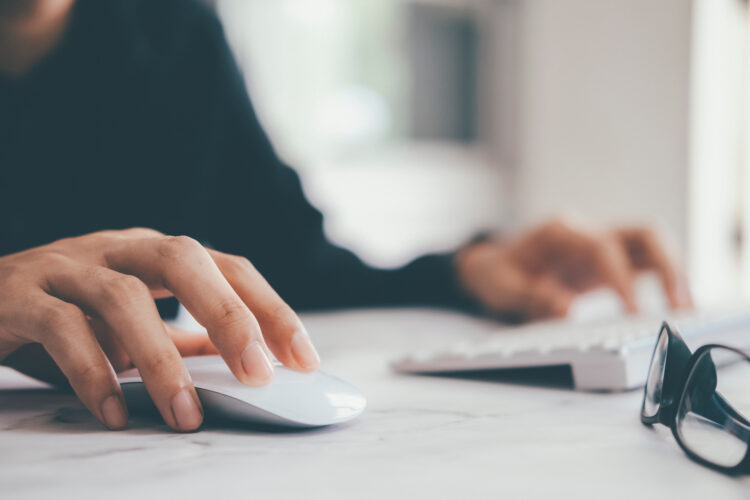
678,369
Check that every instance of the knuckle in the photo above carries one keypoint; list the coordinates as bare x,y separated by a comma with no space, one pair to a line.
123,288
59,317
240,263
558,225
89,375
229,313
556,231
15,276
61,243
282,317
143,232
51,260
100,238
14,279
179,247
161,363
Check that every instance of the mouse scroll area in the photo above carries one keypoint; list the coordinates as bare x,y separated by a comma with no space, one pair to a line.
292,399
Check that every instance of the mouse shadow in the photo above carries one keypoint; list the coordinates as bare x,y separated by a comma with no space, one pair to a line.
45,410
148,414
216,424
49,410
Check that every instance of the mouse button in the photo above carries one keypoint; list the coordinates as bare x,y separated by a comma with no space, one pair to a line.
346,399
320,399
295,396
347,403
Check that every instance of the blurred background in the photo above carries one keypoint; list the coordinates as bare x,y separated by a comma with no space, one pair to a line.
416,123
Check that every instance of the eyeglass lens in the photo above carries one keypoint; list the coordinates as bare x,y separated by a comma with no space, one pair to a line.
713,411
654,382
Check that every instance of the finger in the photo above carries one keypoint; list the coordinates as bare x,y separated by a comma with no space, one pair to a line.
187,344
181,265
124,303
191,343
132,232
614,267
646,251
607,257
281,327
141,233
107,338
528,297
548,299
66,335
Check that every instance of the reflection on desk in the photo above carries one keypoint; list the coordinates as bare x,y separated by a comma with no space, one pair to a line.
421,437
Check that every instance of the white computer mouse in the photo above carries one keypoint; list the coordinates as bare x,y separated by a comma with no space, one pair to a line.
292,399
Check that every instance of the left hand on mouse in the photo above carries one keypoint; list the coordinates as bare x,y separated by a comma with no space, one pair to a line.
538,273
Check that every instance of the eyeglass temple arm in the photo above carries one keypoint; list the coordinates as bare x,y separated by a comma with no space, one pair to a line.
721,413
740,427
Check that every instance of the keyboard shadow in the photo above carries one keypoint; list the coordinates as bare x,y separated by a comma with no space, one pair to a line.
552,377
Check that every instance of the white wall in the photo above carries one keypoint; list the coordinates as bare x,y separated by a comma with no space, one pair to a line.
604,111
716,144
630,111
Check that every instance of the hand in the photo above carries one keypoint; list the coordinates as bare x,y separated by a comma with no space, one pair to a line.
538,274
89,302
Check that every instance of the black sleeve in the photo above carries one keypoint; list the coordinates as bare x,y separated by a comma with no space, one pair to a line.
257,208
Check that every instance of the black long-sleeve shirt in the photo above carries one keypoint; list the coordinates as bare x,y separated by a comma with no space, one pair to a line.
140,118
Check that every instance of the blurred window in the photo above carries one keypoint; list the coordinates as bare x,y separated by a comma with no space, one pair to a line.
335,76
376,104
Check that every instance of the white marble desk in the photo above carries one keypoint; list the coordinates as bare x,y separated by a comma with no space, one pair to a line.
421,437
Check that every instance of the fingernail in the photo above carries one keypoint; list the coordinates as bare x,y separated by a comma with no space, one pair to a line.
256,364
113,413
187,413
304,352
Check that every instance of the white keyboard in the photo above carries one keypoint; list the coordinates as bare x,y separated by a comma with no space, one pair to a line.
603,356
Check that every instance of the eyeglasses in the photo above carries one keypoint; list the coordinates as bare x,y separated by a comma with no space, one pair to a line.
686,393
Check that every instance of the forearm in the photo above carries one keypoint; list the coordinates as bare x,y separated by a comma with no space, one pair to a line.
334,277
255,207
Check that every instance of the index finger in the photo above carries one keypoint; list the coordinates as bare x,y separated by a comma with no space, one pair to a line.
282,328
184,267
614,267
608,258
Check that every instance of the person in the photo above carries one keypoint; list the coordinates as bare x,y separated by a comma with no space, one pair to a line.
134,168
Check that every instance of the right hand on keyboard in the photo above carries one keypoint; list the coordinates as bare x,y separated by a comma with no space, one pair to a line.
538,273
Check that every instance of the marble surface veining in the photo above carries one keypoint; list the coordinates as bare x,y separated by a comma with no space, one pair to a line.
420,437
